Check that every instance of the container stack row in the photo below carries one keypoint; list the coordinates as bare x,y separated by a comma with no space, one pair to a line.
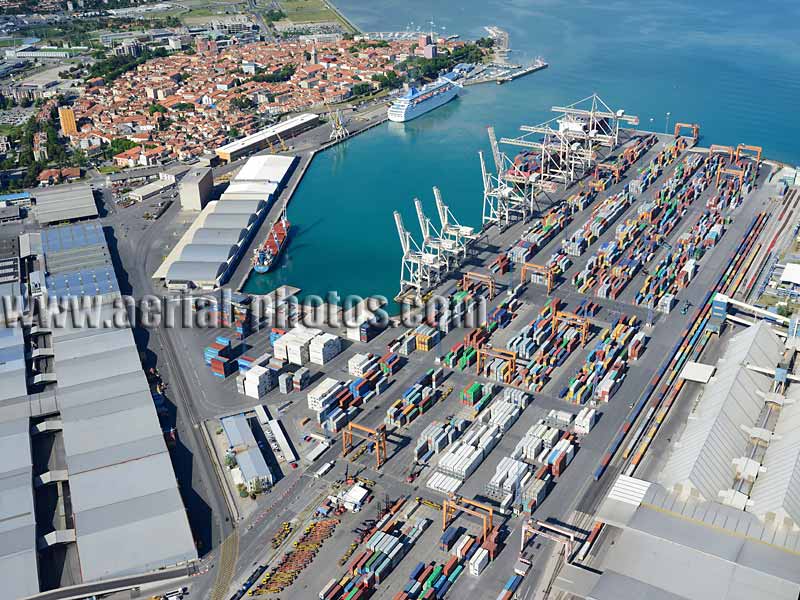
416,399
678,267
602,217
606,364
465,455
436,437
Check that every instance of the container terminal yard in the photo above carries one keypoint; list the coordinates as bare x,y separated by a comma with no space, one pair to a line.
619,397
599,265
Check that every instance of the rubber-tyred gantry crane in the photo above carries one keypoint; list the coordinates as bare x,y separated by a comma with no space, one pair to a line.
487,280
456,504
742,148
582,323
545,272
718,149
735,173
679,127
561,535
376,436
486,352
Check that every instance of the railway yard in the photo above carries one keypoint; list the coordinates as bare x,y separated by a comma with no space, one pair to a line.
486,452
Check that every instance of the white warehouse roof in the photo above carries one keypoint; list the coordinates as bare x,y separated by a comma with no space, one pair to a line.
265,169
269,132
777,490
208,235
714,436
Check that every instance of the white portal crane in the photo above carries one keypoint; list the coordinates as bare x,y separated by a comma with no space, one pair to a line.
593,121
338,129
433,242
461,235
508,196
419,270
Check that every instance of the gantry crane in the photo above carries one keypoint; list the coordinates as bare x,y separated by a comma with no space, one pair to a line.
561,159
451,229
284,147
611,168
561,535
447,250
510,356
582,323
374,436
507,197
718,149
487,280
735,173
534,269
593,121
419,270
693,126
456,504
338,129
742,148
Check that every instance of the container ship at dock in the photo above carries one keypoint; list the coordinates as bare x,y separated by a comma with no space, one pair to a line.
266,255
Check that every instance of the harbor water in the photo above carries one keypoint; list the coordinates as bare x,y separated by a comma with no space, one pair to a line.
727,65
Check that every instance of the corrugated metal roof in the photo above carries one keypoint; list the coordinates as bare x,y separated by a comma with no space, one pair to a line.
252,464
698,550
266,168
238,207
122,485
238,431
777,489
713,436
195,271
78,261
64,203
212,253
18,559
207,235
12,364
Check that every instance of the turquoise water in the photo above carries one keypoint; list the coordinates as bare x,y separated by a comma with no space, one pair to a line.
730,66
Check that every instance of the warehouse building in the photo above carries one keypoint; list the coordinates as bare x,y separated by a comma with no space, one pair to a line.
212,247
89,492
713,459
64,203
669,547
267,138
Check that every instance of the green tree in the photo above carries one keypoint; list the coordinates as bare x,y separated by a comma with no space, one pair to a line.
360,89
157,108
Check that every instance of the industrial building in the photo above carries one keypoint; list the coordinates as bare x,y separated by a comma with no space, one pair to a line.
89,489
213,245
77,261
741,445
63,203
251,468
150,190
195,188
671,547
267,138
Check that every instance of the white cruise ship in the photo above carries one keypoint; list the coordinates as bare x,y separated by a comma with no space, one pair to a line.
417,102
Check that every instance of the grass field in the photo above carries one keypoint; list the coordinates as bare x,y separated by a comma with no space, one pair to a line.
308,11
